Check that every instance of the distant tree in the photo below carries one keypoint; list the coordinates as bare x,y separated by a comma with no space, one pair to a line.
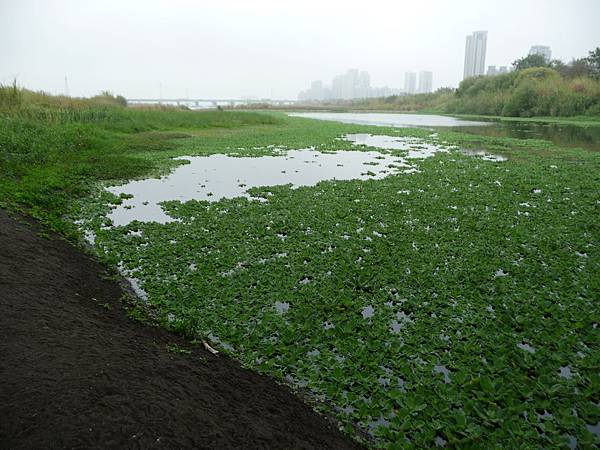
594,63
530,61
578,68
108,98
445,90
559,66
536,74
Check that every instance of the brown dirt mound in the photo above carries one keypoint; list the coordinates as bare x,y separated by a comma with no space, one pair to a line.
75,372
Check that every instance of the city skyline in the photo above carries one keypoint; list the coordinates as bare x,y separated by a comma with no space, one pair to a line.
351,84
346,86
355,84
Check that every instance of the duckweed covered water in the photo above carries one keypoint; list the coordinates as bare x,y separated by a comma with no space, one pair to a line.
454,306
415,148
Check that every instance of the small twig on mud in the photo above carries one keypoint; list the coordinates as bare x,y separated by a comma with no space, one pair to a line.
209,348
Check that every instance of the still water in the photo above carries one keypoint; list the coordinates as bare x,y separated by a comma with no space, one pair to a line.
391,119
212,178
562,135
415,148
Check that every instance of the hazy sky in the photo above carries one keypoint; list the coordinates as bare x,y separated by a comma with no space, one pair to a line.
264,48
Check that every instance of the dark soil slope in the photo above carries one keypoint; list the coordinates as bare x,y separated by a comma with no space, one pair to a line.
75,372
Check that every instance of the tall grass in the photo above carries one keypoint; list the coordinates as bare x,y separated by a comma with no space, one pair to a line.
11,97
53,149
537,91
430,102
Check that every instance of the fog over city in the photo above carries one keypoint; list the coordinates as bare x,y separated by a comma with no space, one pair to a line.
270,49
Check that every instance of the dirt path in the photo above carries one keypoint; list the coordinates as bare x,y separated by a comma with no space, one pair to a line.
76,374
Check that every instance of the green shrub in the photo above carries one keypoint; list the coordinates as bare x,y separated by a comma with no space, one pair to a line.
527,92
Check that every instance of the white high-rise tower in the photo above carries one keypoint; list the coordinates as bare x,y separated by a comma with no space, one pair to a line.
425,82
410,82
475,54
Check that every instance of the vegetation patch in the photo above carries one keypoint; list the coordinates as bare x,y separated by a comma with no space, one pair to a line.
457,305
535,87
449,306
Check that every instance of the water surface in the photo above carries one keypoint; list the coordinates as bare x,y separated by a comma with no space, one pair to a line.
391,119
415,148
587,137
218,176
561,135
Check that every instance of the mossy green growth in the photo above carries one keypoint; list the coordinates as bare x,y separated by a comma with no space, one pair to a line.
455,305
52,156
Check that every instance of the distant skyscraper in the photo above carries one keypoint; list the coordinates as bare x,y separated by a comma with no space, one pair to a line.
337,87
425,82
543,50
364,85
316,88
493,70
410,82
475,54
350,85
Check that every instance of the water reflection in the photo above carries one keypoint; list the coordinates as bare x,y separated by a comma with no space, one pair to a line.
214,177
587,137
390,119
415,148
561,135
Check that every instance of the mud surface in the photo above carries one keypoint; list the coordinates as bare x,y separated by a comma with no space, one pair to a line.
76,372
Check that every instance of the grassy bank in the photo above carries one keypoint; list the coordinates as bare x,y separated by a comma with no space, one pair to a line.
532,92
457,304
53,149
580,121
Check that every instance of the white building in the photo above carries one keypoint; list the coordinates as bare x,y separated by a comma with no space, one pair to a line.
493,70
425,82
543,50
352,84
410,82
317,90
475,54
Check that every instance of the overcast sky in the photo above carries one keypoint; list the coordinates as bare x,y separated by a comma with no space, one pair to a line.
264,48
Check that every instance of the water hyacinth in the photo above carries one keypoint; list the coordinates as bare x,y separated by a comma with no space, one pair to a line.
458,318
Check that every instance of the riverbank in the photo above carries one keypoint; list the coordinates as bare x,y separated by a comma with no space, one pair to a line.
580,121
450,303
78,372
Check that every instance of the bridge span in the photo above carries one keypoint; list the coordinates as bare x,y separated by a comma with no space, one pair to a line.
208,101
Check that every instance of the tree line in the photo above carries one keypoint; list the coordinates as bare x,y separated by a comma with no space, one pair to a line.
535,87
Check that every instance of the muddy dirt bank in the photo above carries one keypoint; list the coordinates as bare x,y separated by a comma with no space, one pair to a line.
75,371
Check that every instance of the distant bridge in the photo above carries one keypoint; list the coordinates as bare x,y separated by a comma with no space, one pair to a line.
211,101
